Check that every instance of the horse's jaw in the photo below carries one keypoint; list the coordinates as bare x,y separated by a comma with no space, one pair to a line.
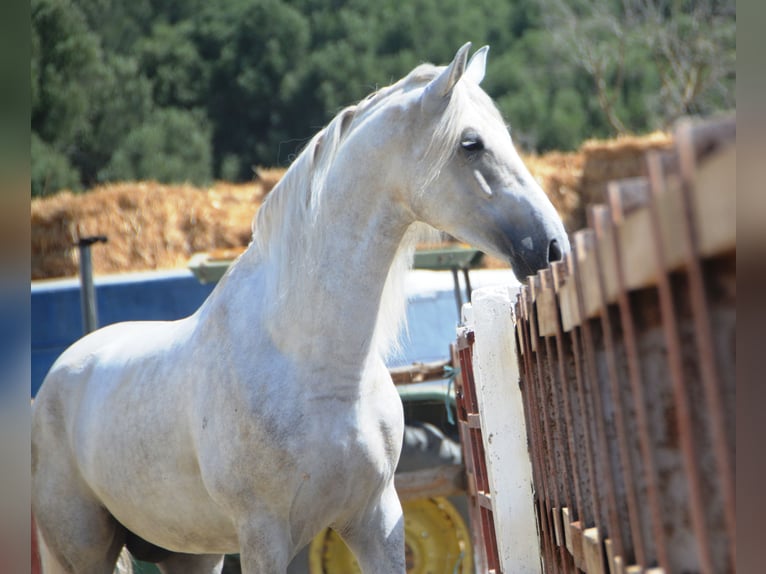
529,248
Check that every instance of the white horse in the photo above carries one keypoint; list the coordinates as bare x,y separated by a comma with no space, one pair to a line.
269,414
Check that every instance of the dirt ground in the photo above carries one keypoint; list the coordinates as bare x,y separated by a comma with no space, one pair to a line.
154,226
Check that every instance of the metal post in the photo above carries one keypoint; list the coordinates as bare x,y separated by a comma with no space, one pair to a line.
458,295
87,291
467,284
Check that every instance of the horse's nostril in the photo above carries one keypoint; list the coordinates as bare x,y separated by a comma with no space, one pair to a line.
554,251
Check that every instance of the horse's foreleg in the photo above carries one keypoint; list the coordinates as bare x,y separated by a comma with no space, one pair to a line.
377,538
75,534
264,547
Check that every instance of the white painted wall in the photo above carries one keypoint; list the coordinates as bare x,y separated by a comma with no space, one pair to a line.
509,466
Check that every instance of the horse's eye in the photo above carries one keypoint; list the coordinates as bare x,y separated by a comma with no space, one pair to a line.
472,144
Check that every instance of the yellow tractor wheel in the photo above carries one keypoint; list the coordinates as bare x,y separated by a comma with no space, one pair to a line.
435,537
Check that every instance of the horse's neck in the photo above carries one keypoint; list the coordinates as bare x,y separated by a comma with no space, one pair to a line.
337,301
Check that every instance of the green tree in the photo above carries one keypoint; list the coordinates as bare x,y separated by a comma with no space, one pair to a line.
256,50
120,103
50,169
170,60
681,56
116,85
173,146
66,65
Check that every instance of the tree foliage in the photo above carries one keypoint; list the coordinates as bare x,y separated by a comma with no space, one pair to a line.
191,90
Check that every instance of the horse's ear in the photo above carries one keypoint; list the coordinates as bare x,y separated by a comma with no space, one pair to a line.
441,86
477,65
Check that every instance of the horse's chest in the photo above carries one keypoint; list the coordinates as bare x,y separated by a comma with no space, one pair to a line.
346,468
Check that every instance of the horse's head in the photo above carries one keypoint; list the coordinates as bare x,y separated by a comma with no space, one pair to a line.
474,184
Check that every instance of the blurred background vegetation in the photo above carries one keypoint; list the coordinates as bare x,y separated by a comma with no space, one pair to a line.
193,90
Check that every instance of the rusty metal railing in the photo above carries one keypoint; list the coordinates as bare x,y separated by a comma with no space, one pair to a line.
480,509
627,360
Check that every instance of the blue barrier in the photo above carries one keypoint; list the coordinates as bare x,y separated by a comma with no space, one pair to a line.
57,322
169,295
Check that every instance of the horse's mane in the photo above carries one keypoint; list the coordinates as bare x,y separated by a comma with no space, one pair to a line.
284,227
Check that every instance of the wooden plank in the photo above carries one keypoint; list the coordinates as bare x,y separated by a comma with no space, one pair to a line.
715,194
594,551
520,335
570,313
435,481
605,250
567,520
547,313
613,567
587,262
575,530
419,372
558,530
627,195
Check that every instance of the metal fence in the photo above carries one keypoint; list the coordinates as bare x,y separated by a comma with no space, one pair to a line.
627,359
478,489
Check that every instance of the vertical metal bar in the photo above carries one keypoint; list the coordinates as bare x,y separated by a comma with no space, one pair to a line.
709,370
479,455
468,290
559,272
592,517
595,394
87,290
546,439
599,216
675,362
637,387
557,429
538,446
458,294
459,359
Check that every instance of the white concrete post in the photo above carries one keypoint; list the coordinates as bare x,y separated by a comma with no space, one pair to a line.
509,466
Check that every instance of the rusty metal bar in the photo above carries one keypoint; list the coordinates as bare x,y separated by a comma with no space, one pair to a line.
625,359
536,431
599,216
558,428
585,418
482,500
637,386
538,389
709,370
546,427
594,397
480,558
675,363
559,273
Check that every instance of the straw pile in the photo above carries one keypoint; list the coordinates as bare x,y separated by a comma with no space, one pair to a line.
576,180
148,225
154,226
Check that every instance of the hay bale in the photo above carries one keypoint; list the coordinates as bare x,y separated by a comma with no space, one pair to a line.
560,174
573,181
149,225
621,158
